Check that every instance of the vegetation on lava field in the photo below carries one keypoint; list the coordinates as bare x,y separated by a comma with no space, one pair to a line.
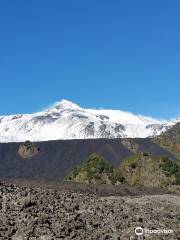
142,169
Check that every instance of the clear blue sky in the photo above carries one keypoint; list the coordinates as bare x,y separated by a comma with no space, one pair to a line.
97,53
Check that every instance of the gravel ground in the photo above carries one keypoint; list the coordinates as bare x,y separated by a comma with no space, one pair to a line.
29,212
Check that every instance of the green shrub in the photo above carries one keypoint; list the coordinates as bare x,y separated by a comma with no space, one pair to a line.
92,168
95,165
170,167
74,172
177,177
117,176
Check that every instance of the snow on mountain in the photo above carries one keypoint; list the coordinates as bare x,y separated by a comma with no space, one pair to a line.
66,120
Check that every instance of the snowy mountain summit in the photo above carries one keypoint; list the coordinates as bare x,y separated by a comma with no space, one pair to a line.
66,120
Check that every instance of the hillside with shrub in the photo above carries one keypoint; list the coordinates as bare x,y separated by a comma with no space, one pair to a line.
141,169
170,140
96,169
146,170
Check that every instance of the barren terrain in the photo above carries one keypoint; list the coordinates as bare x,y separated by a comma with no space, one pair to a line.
30,210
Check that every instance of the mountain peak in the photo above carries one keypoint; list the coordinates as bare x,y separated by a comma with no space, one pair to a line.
64,104
67,120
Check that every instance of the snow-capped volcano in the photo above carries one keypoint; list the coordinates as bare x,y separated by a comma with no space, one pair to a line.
66,120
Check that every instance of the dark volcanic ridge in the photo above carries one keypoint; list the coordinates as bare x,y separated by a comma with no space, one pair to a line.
55,159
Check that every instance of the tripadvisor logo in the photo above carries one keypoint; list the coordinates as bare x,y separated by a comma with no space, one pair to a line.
140,231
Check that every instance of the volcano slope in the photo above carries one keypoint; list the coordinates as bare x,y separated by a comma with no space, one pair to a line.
52,210
54,159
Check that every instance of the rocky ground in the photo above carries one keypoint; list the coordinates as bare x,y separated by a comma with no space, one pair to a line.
32,211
